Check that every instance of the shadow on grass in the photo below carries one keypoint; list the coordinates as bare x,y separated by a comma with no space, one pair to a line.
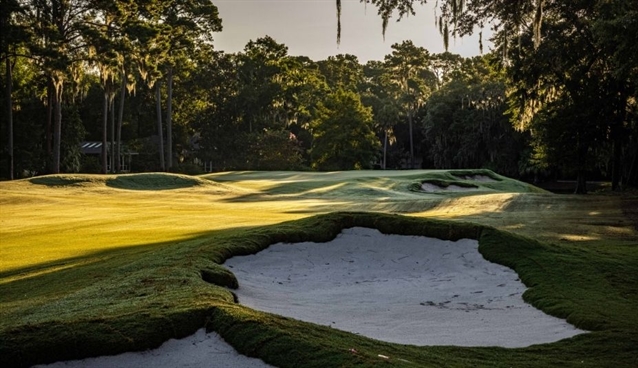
153,181
97,265
59,180
158,293
144,181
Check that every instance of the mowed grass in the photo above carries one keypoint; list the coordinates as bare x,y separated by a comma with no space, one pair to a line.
94,265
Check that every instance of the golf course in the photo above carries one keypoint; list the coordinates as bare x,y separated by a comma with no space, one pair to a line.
96,265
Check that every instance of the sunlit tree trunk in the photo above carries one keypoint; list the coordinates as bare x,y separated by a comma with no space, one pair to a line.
58,86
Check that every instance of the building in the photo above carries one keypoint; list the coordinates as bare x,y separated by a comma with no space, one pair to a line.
95,149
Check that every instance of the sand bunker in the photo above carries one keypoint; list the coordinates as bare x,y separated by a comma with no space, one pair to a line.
402,289
478,177
432,188
197,351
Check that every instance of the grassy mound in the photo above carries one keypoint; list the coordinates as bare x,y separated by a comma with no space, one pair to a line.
144,181
66,180
154,181
139,298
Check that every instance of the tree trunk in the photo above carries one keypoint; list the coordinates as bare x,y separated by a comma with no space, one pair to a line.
616,160
411,141
120,116
581,183
385,147
112,146
9,81
49,124
105,119
57,126
632,177
160,134
169,120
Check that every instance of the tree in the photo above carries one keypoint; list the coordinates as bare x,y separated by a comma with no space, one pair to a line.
342,71
343,135
56,44
614,31
466,125
386,11
587,52
109,49
11,35
184,23
260,91
213,110
408,67
379,92
461,17
566,92
446,67
149,50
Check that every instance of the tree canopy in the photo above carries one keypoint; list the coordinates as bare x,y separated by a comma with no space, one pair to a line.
556,97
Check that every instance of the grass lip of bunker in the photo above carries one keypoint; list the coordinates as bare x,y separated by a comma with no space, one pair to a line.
463,182
481,175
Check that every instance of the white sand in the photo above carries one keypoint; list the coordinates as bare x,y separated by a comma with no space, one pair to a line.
402,289
201,350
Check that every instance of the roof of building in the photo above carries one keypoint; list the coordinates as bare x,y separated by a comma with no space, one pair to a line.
95,148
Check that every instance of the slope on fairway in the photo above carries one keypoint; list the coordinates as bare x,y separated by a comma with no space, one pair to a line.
88,266
387,184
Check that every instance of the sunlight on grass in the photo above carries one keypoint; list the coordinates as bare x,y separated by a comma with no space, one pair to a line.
470,205
577,238
51,218
142,250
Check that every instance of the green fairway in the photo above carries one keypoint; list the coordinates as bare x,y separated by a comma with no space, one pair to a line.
94,265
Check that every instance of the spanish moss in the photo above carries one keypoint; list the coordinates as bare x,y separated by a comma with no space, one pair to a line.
339,22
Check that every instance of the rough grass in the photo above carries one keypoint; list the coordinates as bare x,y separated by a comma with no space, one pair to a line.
132,268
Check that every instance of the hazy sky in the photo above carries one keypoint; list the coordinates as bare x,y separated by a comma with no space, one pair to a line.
309,27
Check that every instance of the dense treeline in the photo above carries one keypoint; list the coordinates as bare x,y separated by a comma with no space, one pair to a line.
571,77
143,77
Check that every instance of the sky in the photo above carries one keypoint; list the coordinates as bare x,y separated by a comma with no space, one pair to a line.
309,28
